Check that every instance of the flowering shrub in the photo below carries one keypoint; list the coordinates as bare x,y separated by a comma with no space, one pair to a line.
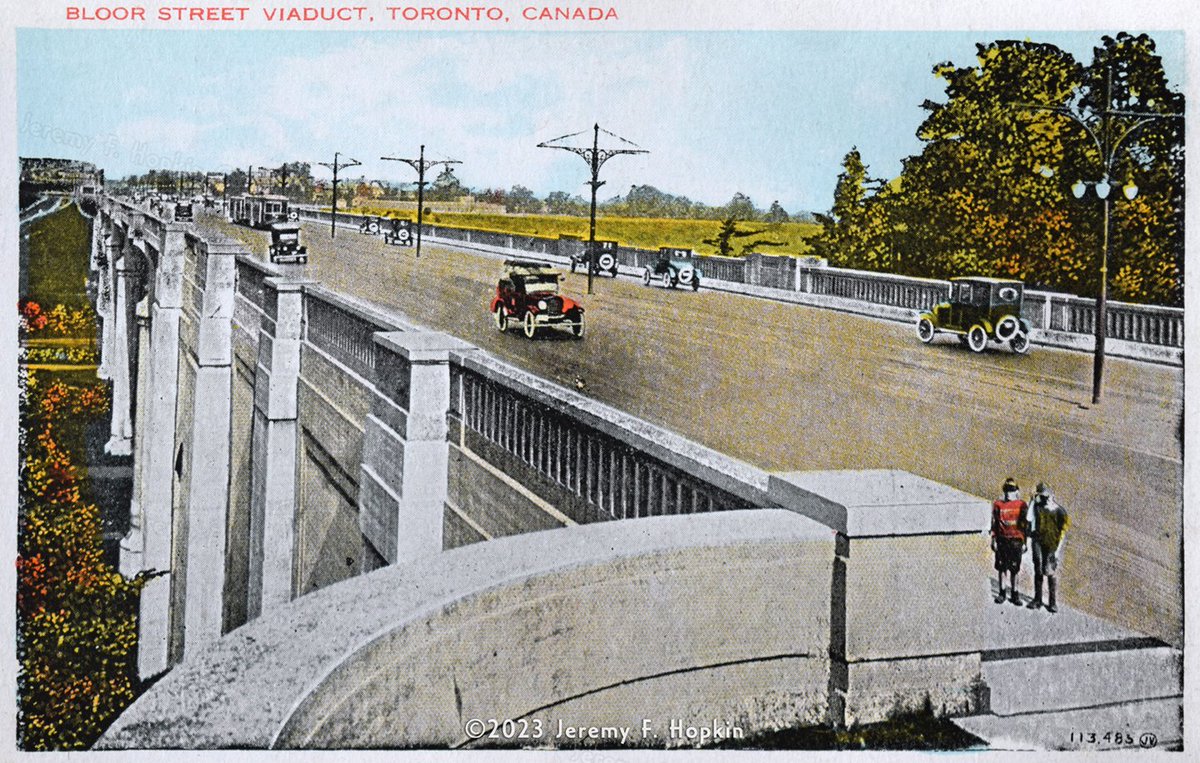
77,632
59,319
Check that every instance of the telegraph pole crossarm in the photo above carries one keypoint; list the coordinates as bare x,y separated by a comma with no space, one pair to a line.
420,165
595,157
335,166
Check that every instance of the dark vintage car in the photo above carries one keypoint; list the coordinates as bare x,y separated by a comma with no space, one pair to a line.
183,212
674,266
371,225
285,243
979,310
528,295
606,257
399,233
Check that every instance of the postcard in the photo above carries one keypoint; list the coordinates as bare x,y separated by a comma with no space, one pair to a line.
602,380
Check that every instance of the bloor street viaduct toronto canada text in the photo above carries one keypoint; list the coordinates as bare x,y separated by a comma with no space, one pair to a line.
341,451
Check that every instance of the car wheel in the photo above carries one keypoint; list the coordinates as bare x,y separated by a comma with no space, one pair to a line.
1019,343
925,330
293,216
1007,328
373,228
501,318
530,326
646,276
608,262
977,338
577,326
669,280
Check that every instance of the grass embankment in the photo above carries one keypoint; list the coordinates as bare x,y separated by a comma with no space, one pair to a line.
55,259
640,232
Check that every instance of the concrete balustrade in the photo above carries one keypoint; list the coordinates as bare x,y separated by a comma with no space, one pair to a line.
1062,320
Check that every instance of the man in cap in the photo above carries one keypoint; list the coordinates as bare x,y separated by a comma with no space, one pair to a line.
1010,522
1050,523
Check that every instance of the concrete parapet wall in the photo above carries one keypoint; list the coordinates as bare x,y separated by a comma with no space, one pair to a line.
691,627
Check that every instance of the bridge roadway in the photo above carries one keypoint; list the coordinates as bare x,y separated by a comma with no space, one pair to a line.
788,387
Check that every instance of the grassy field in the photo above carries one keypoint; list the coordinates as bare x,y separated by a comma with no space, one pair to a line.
55,259
640,232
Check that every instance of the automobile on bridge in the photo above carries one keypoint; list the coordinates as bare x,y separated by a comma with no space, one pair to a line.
371,225
528,295
606,258
398,233
674,266
979,310
285,244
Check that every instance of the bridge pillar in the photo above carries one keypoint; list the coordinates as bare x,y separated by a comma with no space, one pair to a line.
207,505
403,478
108,248
133,543
273,447
154,466
120,441
908,598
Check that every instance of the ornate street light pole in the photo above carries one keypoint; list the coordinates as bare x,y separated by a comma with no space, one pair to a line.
335,166
420,165
1107,147
595,157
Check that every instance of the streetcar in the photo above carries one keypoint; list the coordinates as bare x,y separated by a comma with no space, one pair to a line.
259,210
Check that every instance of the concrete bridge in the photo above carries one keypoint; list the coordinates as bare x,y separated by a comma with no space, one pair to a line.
365,533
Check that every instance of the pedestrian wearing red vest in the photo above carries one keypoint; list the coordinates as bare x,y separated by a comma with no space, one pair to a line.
1010,522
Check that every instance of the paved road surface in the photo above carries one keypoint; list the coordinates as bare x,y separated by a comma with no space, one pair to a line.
788,387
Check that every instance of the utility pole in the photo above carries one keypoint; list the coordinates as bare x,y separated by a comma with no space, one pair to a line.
249,175
283,177
595,157
335,166
420,165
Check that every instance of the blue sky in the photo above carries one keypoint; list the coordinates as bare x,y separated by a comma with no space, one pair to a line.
770,114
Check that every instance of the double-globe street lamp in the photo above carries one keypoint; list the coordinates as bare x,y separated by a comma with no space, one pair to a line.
1108,148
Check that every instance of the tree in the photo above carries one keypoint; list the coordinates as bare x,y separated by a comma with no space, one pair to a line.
446,186
989,192
776,214
741,207
723,241
520,200
562,203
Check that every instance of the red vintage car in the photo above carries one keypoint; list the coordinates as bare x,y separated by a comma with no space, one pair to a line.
528,295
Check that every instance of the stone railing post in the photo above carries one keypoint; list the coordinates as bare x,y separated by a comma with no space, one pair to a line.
894,644
207,506
273,447
402,487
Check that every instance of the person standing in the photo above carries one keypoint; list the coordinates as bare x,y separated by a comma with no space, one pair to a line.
1010,522
1050,523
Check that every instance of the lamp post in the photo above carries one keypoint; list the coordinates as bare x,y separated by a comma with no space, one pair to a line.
1107,147
595,157
420,165
335,166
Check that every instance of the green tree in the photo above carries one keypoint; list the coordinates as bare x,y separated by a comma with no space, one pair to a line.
723,241
520,200
776,214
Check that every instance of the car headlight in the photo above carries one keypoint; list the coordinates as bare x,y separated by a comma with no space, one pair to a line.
541,304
